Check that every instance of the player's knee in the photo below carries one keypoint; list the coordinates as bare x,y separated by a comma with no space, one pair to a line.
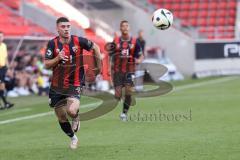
129,91
72,111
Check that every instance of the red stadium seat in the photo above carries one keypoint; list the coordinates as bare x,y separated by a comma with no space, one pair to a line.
232,4
230,21
194,6
185,6
176,6
220,21
232,13
193,13
222,5
176,13
213,5
14,25
212,13
185,23
193,22
202,22
221,13
212,21
205,15
184,14
203,5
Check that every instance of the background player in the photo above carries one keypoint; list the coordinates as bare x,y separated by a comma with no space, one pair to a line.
139,69
127,54
3,71
64,56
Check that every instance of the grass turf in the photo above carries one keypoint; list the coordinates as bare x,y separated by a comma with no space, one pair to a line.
212,132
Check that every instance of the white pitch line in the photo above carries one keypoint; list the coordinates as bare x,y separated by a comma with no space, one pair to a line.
15,111
26,117
188,86
42,114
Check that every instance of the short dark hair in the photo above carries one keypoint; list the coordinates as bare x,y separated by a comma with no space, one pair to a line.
123,21
62,19
1,32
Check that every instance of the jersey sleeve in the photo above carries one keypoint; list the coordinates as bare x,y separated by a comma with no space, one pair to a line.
49,50
138,50
85,43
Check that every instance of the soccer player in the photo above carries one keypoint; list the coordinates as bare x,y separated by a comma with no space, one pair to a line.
64,56
127,54
141,40
3,71
139,70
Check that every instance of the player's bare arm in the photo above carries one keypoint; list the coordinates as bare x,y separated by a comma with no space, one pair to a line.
96,50
139,60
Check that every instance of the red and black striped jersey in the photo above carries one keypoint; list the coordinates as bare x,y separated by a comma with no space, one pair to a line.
68,76
125,53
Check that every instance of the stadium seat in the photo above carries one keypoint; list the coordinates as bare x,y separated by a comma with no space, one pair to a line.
204,13
13,24
202,22
203,5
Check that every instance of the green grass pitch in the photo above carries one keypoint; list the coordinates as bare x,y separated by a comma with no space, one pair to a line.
207,127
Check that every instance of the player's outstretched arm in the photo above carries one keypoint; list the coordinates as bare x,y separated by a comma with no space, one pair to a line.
97,52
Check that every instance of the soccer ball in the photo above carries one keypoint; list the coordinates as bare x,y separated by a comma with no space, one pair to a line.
162,19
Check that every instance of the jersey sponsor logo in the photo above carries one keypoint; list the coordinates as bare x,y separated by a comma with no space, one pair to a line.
125,53
49,53
125,49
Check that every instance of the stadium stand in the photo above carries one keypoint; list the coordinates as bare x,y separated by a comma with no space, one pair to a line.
12,24
213,19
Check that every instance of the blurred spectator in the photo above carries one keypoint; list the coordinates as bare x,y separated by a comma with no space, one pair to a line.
3,71
141,40
27,76
139,71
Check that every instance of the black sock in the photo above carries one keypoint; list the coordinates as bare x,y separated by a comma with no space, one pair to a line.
127,103
66,127
3,97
